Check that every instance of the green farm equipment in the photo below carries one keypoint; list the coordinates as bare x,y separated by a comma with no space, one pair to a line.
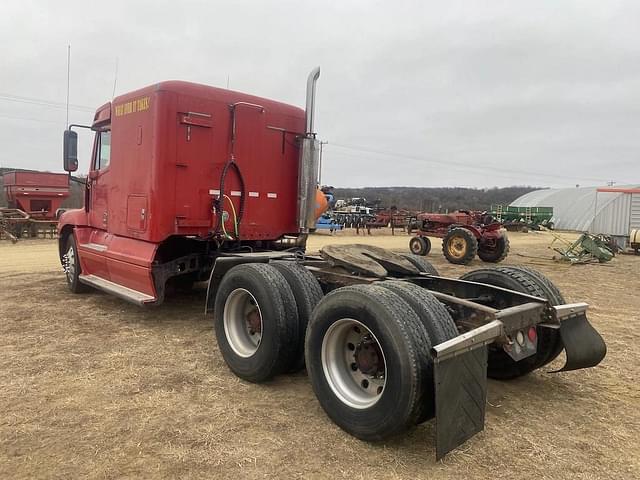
515,218
587,248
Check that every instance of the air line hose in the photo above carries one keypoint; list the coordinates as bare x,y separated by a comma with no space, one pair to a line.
220,201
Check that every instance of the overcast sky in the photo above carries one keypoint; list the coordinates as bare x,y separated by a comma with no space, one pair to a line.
417,93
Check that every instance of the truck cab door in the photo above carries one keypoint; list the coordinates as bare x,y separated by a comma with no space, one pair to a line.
98,181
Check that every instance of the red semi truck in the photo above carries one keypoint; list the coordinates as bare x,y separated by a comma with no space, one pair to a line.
189,182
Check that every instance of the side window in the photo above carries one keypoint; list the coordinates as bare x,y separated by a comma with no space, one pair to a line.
103,156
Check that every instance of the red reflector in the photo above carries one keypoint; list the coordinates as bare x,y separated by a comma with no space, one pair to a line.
532,334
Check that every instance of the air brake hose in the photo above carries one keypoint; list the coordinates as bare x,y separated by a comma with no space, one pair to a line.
219,203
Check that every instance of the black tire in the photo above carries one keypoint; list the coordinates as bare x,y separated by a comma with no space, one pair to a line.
72,268
459,246
420,245
437,322
501,366
422,264
277,348
307,293
495,255
405,349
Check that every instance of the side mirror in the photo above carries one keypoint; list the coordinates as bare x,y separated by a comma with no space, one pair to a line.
70,151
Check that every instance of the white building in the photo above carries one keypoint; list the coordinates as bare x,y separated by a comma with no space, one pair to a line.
611,211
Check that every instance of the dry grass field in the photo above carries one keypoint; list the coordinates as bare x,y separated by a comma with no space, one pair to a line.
93,387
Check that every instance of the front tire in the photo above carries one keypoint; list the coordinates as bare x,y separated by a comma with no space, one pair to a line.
71,266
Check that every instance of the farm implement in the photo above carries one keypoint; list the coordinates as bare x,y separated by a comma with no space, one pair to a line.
34,201
521,218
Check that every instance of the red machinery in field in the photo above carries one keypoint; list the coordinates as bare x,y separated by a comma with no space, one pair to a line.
189,182
464,234
40,194
33,200
392,218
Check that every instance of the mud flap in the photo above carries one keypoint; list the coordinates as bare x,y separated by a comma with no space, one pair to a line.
583,345
461,396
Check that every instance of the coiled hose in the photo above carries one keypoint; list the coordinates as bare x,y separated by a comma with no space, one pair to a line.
219,202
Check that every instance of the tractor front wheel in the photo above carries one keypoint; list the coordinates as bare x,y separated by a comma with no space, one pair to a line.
459,246
420,245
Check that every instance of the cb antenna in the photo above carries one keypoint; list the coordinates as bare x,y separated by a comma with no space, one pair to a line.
68,81
115,80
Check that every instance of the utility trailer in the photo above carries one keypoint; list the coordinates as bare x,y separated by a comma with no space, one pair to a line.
518,218
189,182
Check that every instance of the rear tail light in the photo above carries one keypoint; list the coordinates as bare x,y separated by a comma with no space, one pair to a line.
532,334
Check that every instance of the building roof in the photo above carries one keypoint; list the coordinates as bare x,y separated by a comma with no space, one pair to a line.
577,208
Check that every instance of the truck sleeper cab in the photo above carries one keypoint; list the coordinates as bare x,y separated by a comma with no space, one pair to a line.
189,182
161,157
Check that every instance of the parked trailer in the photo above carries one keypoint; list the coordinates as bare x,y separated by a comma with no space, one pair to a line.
517,218
204,183
33,199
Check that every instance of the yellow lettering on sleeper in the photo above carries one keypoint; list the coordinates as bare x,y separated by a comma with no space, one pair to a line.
133,106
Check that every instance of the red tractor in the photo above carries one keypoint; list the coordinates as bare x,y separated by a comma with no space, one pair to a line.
464,234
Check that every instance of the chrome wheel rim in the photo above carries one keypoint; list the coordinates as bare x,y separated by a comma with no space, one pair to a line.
70,264
353,363
242,320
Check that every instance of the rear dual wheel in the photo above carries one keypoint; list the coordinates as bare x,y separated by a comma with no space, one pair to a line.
260,317
422,264
256,322
525,280
368,358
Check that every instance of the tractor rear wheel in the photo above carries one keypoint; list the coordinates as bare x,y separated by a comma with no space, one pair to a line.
307,293
459,246
421,263
521,279
497,253
420,245
256,322
368,358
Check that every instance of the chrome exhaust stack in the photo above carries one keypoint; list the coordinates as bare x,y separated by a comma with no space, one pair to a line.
309,160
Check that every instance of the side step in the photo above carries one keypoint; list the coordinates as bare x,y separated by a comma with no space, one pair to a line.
120,291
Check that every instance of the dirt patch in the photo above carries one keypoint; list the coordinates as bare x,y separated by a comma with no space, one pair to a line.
95,387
